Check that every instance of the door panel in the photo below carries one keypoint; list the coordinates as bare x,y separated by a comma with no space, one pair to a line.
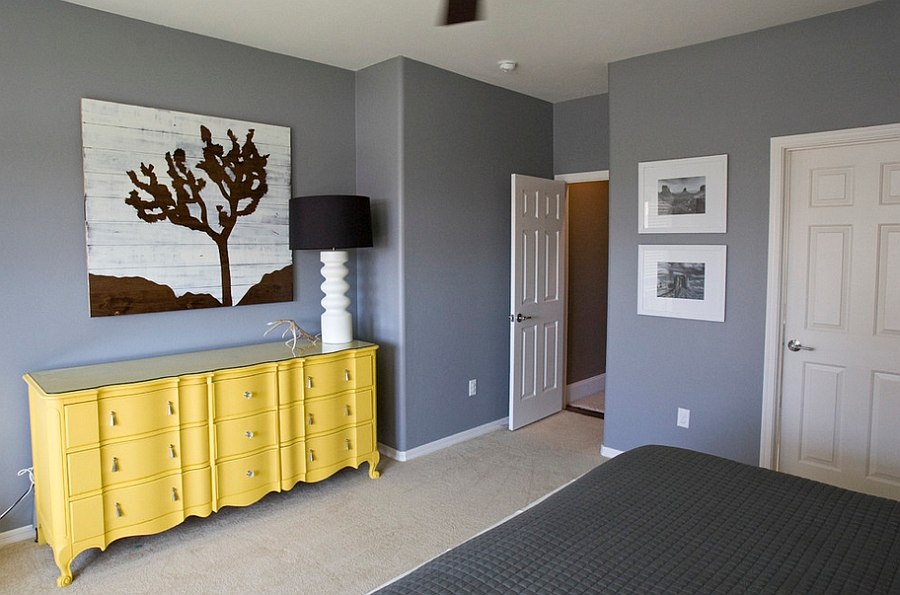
829,276
822,396
889,280
885,440
537,299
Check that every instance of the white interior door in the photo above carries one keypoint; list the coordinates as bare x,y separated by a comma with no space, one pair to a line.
840,417
537,299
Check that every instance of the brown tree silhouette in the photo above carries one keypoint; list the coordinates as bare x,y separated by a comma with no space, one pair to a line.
240,176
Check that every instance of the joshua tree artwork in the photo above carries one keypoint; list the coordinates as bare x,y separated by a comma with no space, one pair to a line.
184,211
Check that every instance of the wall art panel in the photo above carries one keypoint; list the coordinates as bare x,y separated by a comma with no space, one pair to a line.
183,211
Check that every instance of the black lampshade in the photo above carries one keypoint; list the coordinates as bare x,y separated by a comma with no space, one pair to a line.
332,221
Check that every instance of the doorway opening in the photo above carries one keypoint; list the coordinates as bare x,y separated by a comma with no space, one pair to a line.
587,283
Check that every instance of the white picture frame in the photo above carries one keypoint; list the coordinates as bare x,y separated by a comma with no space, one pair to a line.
683,195
682,281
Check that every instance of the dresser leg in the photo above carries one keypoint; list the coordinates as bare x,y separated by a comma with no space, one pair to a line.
65,568
373,463
65,575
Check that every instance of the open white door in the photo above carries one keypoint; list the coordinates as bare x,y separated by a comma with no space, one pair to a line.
537,300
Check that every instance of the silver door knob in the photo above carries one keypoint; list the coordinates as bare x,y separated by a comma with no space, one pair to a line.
518,317
794,345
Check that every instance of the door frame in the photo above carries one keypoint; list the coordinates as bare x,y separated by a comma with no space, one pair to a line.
781,150
573,178
586,176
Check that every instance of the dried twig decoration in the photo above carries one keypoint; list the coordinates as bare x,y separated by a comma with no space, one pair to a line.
296,332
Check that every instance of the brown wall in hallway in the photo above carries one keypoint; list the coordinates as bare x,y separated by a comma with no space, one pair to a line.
588,268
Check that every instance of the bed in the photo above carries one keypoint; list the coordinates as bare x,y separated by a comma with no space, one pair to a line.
659,519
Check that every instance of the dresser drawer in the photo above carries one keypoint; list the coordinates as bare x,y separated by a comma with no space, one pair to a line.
196,488
81,424
120,416
244,394
134,414
291,422
293,464
323,415
123,507
246,434
87,518
193,399
323,451
348,373
290,382
132,460
259,472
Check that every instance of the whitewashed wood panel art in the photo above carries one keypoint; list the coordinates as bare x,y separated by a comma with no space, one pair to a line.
183,211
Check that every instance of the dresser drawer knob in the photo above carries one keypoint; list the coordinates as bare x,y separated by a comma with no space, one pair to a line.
347,375
174,495
115,464
171,451
170,408
312,456
309,419
248,394
309,382
118,509
347,408
251,473
347,443
249,434
112,418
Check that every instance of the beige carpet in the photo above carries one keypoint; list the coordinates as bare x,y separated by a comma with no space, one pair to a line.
347,534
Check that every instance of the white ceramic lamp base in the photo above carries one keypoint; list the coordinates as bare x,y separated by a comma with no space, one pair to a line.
337,324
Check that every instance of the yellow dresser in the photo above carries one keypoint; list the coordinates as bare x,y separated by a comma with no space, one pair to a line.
135,447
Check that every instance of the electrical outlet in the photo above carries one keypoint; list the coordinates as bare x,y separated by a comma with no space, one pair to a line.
684,418
473,387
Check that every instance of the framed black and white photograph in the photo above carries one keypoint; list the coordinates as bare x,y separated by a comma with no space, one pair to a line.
682,282
683,195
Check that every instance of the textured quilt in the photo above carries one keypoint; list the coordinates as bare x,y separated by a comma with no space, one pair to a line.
666,520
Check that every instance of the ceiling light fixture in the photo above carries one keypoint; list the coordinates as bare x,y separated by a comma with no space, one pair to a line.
507,65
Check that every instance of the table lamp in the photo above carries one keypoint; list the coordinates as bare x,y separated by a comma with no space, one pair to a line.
332,224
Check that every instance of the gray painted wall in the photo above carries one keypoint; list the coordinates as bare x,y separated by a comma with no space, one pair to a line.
581,135
53,54
435,152
379,161
462,140
728,96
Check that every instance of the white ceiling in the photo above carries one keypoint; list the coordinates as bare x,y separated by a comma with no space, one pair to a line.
562,46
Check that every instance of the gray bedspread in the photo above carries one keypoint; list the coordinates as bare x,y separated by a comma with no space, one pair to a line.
666,520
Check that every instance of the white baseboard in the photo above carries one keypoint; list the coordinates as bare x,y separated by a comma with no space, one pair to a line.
419,451
585,388
608,452
16,535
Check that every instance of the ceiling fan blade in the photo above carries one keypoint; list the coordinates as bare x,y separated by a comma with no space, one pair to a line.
461,11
